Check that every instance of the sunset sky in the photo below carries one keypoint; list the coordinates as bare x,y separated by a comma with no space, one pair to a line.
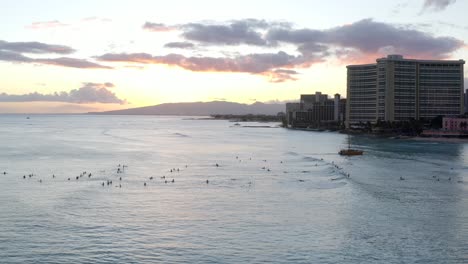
80,56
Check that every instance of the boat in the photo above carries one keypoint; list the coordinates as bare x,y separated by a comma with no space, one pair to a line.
349,151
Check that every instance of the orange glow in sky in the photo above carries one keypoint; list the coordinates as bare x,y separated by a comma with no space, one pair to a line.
94,56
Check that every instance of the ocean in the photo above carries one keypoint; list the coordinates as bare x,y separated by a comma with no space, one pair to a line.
188,190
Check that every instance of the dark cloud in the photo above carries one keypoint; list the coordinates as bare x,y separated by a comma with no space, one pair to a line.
369,37
72,63
34,47
94,93
127,57
358,42
311,48
13,57
366,36
255,23
281,75
252,63
235,33
286,71
157,27
437,5
296,36
362,41
267,64
179,45
88,93
13,52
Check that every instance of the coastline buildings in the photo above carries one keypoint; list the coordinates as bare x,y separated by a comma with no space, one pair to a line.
451,127
466,101
316,110
455,124
398,89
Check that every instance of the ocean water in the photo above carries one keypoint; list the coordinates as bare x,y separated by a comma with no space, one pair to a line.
276,196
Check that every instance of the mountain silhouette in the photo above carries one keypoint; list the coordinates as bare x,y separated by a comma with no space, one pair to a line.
201,109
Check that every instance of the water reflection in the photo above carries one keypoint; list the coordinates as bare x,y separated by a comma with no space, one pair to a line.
276,196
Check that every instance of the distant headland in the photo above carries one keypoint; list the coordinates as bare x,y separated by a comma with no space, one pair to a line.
201,109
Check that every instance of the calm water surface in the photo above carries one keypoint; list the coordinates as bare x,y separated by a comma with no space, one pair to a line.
281,200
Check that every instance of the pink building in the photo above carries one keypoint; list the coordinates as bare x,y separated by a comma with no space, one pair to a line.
455,124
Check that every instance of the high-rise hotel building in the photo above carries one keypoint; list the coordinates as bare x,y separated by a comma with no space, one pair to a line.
398,89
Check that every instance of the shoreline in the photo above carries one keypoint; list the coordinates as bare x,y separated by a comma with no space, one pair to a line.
389,136
440,139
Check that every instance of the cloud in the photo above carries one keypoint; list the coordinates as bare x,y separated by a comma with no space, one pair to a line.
13,57
286,71
400,6
361,41
34,47
277,101
369,37
46,24
99,85
437,5
88,93
179,45
63,61
235,33
281,75
451,25
157,27
13,52
96,19
107,84
72,63
267,64
57,24
296,36
365,36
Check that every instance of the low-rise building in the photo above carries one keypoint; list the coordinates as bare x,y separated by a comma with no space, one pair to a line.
291,109
316,110
455,124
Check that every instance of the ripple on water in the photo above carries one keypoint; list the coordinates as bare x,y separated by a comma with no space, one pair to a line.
296,212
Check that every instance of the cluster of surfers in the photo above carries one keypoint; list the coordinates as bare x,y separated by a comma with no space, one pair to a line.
121,170
340,171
